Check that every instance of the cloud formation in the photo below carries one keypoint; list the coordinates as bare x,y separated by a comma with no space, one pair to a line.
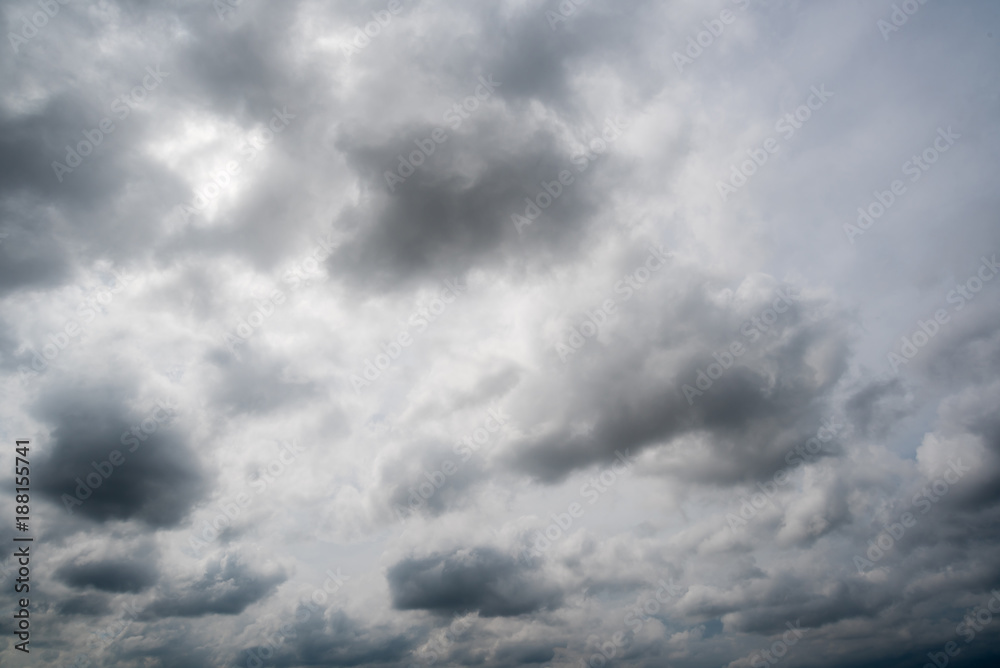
532,332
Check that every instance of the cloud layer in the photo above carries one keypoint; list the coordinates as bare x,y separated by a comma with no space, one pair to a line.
503,334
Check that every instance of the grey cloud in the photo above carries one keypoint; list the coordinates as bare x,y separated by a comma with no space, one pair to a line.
335,639
825,358
445,219
481,578
110,576
157,484
755,412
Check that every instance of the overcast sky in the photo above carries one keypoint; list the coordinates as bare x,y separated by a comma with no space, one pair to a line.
516,333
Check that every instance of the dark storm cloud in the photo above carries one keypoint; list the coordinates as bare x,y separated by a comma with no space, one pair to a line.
444,219
31,255
28,259
157,484
111,576
480,578
965,361
334,639
767,401
228,587
524,654
788,598
455,210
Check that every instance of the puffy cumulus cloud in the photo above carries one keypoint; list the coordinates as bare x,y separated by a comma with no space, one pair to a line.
704,366
532,332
